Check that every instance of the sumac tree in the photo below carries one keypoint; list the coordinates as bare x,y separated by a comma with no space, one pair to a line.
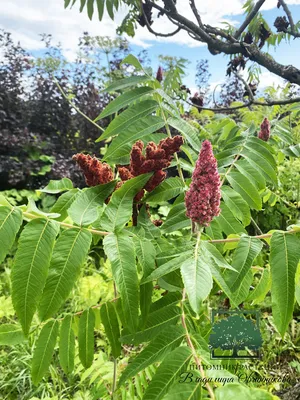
215,261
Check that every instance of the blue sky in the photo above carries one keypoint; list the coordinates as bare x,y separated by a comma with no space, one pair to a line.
26,19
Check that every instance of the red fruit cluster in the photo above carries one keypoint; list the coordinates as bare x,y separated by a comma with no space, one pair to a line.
197,100
95,172
202,200
281,24
156,158
265,130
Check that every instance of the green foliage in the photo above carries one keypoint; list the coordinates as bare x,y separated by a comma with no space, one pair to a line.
30,268
110,322
44,350
69,253
11,334
67,345
284,258
120,251
99,248
86,337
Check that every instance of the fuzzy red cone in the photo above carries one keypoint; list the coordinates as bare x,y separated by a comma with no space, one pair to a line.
265,130
202,200
95,172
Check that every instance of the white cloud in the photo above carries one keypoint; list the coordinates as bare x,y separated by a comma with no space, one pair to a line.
269,79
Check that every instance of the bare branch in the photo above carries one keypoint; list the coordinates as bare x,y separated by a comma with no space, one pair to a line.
157,33
191,33
195,11
247,104
251,98
219,32
217,46
249,18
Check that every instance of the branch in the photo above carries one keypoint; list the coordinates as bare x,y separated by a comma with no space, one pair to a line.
248,89
247,104
195,11
101,233
216,46
288,72
65,225
286,9
249,18
264,236
219,32
157,33
74,105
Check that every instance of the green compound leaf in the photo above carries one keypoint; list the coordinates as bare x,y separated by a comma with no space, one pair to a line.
166,341
167,190
120,147
127,118
58,186
43,351
119,209
86,337
168,371
63,203
248,249
11,334
10,223
127,82
110,322
85,209
284,258
124,100
69,254
30,267
197,279
67,345
120,252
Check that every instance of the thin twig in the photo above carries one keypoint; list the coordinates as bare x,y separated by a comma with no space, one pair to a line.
251,98
191,346
256,226
157,33
101,233
264,236
247,104
114,385
65,225
75,107
230,168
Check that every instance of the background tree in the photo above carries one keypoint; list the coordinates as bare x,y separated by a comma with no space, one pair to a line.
244,44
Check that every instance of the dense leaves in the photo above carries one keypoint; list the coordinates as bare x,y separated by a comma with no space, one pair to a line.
143,275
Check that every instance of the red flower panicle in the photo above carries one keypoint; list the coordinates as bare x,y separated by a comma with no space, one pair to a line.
95,172
202,200
156,158
265,130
